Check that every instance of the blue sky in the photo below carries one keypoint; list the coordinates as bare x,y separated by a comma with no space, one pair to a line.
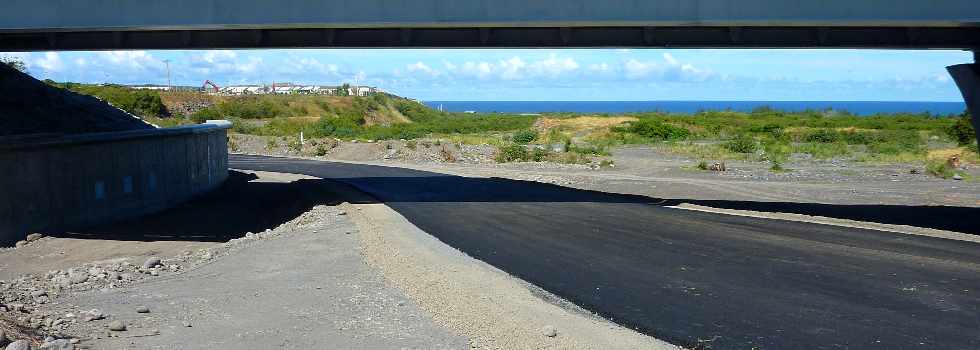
540,74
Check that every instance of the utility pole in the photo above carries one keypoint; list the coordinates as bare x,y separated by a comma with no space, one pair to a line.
169,87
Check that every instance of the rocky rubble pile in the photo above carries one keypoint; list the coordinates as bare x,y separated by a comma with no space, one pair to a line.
30,300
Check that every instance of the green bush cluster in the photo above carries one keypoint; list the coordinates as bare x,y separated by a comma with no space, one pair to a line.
773,123
655,129
143,103
742,143
940,168
962,131
525,136
512,153
253,107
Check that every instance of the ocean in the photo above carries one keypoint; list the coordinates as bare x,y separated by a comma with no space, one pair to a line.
856,107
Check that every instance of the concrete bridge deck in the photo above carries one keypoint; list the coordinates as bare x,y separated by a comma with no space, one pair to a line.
173,24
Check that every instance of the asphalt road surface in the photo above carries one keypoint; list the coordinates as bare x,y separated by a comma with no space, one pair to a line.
688,277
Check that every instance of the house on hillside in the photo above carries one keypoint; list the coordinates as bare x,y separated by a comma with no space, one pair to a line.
293,89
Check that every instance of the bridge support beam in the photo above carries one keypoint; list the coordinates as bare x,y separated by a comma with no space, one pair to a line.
967,77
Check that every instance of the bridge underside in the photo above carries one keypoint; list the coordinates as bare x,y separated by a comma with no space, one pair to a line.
515,37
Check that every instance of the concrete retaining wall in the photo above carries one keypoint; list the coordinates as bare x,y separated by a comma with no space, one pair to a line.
57,183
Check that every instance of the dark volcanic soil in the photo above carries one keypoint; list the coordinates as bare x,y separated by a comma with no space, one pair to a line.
29,106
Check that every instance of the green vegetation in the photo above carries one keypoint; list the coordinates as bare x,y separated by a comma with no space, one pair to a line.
354,121
763,134
142,103
742,144
512,153
962,131
525,136
168,122
771,135
657,130
940,168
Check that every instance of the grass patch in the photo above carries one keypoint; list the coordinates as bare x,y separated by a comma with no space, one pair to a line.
940,168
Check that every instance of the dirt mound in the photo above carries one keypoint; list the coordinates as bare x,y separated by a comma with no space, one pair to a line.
186,102
580,123
385,116
29,106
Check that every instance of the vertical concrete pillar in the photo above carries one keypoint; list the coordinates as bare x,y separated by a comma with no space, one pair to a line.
967,77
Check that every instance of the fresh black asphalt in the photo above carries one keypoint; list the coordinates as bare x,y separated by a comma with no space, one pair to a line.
687,277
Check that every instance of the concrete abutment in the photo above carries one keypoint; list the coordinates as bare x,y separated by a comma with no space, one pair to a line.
64,182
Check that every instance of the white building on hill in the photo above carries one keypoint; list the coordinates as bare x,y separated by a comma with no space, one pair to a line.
292,89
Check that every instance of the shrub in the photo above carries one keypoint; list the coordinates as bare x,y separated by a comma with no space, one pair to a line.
271,144
823,136
962,131
294,145
142,103
525,136
767,128
742,144
940,168
539,155
656,129
777,166
241,127
252,107
321,150
702,165
512,153
897,141
206,114
594,150
410,144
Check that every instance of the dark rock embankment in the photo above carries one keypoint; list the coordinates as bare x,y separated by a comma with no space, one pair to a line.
29,106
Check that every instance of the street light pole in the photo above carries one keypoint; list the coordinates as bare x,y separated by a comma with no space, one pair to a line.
169,87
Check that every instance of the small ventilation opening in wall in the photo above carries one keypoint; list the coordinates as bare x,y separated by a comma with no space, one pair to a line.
99,190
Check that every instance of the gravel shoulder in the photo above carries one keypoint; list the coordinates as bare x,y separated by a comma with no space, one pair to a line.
299,284
493,309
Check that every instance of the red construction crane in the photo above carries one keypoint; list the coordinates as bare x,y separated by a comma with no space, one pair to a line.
213,85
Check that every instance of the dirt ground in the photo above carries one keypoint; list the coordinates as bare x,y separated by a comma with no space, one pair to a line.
266,261
279,261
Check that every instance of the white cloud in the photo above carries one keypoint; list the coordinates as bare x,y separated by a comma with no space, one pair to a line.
599,67
220,62
514,68
51,62
671,69
131,61
308,66
554,66
635,69
419,67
